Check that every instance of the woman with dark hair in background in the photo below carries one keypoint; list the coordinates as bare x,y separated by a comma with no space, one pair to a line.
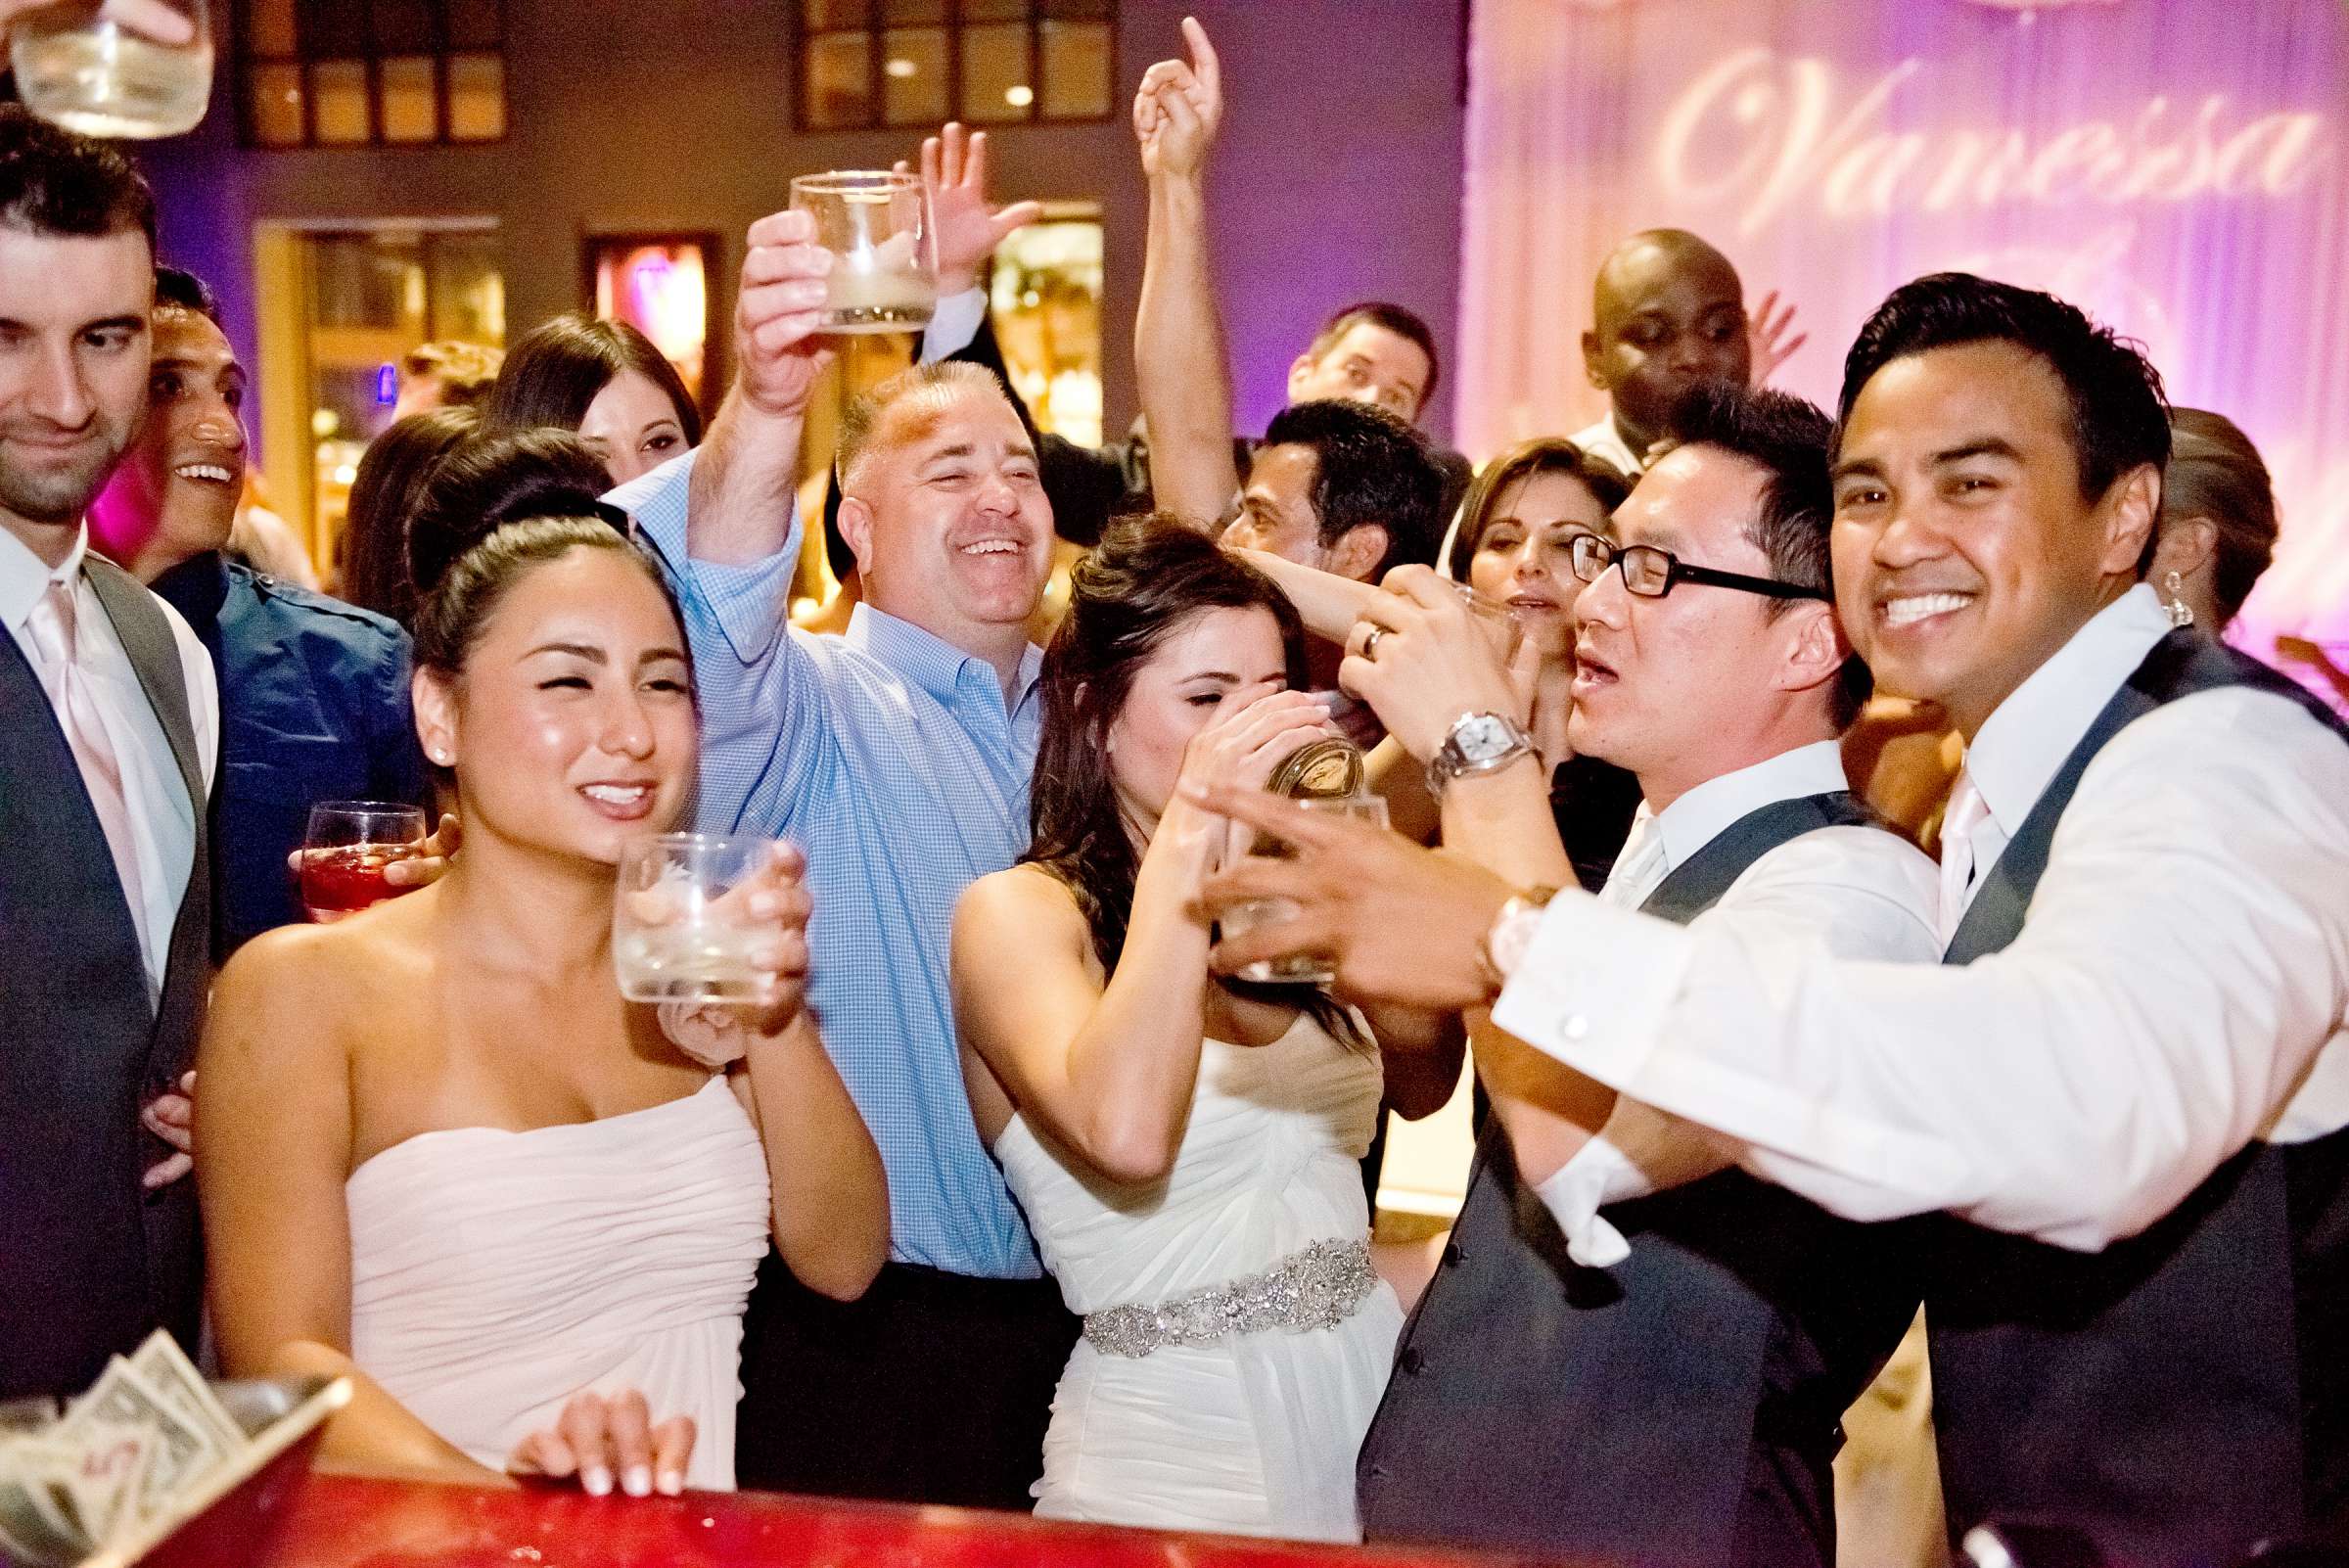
442,1156
605,380
2216,532
1184,1148
374,545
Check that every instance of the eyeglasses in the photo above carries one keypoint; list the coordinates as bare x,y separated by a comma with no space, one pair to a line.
1651,574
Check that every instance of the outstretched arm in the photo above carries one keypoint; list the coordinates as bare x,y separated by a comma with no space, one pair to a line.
1180,368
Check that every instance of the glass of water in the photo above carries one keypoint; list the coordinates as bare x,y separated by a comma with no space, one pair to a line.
102,76
676,934
876,224
1302,969
1501,629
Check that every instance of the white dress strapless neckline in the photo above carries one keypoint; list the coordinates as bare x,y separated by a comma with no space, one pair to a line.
1254,1434
496,1272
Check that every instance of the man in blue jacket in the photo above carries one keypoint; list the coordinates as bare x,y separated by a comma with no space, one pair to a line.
313,691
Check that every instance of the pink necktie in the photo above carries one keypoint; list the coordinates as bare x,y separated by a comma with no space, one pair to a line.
77,712
1966,812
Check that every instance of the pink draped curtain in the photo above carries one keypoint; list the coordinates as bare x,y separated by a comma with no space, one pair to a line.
2180,169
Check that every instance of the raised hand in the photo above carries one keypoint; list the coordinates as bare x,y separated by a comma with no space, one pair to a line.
1766,335
597,1438
1178,109
967,230
779,314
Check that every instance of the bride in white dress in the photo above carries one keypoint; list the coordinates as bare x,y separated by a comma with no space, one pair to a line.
1186,1151
442,1156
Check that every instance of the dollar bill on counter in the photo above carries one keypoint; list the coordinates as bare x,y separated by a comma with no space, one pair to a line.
149,1431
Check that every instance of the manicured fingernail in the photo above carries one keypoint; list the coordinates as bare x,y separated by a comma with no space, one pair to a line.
596,1481
672,1483
637,1481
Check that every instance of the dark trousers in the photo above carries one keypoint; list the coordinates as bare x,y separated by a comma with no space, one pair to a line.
931,1388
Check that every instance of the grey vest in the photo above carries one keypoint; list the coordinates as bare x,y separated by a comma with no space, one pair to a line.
88,1263
1680,1407
2184,1392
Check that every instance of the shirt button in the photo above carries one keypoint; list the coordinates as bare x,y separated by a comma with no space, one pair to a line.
1575,1027
1411,1360
1451,1255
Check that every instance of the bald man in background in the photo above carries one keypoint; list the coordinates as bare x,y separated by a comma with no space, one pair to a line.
1668,314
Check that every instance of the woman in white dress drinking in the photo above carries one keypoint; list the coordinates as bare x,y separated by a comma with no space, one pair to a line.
441,1154
1186,1149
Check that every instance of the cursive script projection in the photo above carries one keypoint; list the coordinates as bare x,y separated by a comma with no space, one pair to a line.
1790,133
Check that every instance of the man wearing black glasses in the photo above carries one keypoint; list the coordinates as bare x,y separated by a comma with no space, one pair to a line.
1603,1368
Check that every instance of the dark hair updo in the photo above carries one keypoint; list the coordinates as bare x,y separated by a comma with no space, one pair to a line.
498,506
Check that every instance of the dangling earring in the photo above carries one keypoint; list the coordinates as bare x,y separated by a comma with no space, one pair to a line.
2181,613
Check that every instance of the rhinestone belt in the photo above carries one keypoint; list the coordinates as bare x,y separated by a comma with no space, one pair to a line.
1317,1288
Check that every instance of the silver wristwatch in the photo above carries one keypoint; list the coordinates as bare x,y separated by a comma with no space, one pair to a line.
1478,743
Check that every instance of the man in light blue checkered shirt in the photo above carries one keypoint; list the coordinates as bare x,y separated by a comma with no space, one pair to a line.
899,756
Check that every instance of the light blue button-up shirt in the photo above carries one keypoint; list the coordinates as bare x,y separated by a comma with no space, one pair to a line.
891,759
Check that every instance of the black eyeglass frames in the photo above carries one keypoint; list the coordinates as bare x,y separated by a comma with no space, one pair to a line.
1651,574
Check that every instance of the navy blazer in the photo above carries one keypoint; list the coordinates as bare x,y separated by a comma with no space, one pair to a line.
313,707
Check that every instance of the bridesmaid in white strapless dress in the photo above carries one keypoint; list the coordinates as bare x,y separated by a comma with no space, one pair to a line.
442,1156
1253,1433
1187,1153
494,1273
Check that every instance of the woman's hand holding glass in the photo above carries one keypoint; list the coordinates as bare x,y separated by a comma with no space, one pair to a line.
765,913
1255,731
599,1439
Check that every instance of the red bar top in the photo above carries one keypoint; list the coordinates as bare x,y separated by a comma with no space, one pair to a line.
338,1521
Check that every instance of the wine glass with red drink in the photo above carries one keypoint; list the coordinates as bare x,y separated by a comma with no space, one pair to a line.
346,851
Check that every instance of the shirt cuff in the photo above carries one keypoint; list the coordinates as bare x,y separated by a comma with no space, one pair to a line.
1594,987
953,324
1574,1196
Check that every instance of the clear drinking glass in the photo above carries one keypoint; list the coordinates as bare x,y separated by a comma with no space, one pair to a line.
1304,969
876,224
675,933
345,853
103,78
1492,618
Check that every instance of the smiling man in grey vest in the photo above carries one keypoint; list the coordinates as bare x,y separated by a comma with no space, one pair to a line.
109,727
2118,1107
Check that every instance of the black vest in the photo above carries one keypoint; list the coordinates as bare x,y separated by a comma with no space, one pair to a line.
2183,1393
88,1263
1680,1407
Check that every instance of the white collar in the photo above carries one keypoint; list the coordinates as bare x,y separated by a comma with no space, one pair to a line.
24,576
2027,737
1701,815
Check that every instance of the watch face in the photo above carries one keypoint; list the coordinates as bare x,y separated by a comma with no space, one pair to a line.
1481,737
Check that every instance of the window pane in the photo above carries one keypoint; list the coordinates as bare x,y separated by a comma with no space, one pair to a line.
995,73
404,27
901,12
468,292
274,102
914,75
819,14
331,28
1075,69
839,84
339,98
411,100
474,23
269,27
995,10
1075,10
477,98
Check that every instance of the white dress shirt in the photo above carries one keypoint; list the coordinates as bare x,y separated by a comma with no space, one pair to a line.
2181,988
163,818
952,325
1842,891
1603,441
